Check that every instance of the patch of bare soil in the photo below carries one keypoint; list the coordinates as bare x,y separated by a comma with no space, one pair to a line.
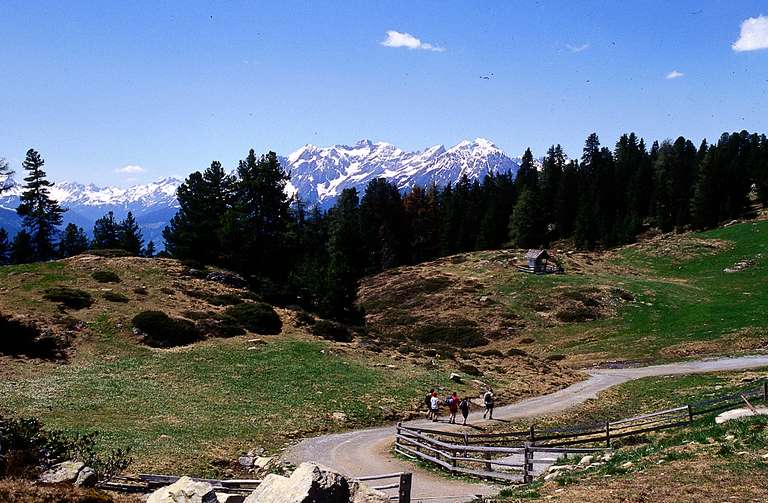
25,491
683,481
743,340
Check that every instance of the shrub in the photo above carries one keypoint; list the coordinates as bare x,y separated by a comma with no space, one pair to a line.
470,370
256,317
331,330
462,333
225,299
220,326
162,331
516,352
191,263
115,297
556,358
140,290
303,318
576,315
106,277
19,337
167,291
69,297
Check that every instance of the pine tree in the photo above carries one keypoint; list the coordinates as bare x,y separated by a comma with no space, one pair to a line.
344,254
526,229
41,214
527,175
106,233
73,241
385,233
150,249
5,247
195,232
22,248
129,235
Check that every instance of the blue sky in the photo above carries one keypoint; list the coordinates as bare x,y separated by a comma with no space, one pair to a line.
165,87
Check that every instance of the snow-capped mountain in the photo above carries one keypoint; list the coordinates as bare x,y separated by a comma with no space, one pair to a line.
319,174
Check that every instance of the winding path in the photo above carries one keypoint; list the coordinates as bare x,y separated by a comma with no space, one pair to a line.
367,452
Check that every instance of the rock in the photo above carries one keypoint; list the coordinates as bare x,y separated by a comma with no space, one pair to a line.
340,417
311,483
87,477
455,377
738,413
387,412
262,462
227,278
764,456
559,468
586,461
246,461
729,438
229,498
551,476
607,457
628,464
184,490
62,472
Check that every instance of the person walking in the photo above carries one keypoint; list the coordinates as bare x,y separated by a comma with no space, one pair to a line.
488,402
453,406
428,403
434,405
464,407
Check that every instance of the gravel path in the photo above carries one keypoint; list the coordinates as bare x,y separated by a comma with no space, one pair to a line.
367,452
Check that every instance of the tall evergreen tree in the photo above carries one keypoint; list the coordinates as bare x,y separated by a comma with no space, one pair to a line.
130,236
383,225
41,214
106,233
526,227
527,175
344,254
196,230
73,241
5,175
22,248
5,247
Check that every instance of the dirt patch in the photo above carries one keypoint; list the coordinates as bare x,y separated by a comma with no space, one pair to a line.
743,340
24,491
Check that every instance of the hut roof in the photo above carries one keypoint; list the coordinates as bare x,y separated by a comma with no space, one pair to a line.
536,254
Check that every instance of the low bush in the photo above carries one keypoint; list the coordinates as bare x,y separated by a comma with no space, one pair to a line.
225,299
516,352
491,352
20,337
115,297
463,334
140,290
556,358
576,314
331,330
27,448
162,331
190,263
304,319
106,277
69,297
470,370
167,291
256,317
220,326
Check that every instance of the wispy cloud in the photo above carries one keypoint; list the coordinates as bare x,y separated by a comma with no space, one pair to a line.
130,169
753,36
399,39
674,74
577,48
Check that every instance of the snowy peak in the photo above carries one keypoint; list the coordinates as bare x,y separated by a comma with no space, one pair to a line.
319,174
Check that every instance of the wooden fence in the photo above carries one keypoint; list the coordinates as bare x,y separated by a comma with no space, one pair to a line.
513,456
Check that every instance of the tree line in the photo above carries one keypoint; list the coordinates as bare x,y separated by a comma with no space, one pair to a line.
293,254
40,238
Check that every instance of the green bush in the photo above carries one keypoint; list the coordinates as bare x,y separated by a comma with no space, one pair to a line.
331,330
304,319
462,333
577,314
69,297
256,317
470,370
19,337
106,277
220,326
115,297
162,331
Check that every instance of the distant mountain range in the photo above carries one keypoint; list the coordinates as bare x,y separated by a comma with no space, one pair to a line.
318,175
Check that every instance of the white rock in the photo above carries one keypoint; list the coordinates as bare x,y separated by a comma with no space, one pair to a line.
607,456
340,417
586,461
184,490
551,476
262,462
559,468
87,477
729,438
455,377
62,472
738,413
628,464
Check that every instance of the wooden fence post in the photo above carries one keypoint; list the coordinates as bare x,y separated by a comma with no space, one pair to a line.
488,465
532,434
466,443
404,494
527,464
608,433
765,391
690,413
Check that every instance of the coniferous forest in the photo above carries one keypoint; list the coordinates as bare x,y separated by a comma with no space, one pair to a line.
294,254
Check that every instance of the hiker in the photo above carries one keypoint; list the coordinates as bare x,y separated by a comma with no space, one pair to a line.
434,404
453,406
464,407
488,401
428,403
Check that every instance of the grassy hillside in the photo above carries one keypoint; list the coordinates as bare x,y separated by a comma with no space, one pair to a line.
663,299
193,409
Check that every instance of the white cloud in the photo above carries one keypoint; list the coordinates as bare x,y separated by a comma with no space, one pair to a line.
577,48
753,36
674,74
398,39
130,169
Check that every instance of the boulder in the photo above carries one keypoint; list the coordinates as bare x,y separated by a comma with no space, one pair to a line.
184,490
455,377
340,417
739,413
65,472
586,461
246,461
87,477
312,483
262,462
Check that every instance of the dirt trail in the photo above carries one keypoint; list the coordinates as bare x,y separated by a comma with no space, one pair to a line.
367,452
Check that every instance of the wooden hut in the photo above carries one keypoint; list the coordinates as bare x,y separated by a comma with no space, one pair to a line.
537,260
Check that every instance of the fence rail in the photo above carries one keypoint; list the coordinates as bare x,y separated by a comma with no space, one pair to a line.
512,456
